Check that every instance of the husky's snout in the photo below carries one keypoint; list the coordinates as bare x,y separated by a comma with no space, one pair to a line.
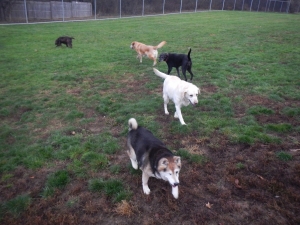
175,184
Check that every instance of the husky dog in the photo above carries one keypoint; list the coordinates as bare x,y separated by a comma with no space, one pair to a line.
150,155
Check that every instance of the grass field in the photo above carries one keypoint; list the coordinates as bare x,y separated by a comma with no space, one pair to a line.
64,114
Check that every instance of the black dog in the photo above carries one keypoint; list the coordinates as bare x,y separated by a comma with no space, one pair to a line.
177,60
64,40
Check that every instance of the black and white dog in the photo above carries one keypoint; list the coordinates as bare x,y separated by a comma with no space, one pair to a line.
177,60
150,155
64,40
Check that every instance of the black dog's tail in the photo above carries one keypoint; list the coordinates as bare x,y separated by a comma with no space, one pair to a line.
189,54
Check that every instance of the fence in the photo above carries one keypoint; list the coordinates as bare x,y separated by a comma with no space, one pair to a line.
43,10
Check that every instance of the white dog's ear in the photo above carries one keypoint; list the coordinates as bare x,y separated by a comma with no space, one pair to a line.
184,93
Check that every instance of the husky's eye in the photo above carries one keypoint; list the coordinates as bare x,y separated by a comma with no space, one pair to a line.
176,172
191,95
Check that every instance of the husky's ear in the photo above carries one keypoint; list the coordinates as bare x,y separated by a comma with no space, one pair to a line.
162,164
177,160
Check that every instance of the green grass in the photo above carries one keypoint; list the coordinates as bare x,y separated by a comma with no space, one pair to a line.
284,156
16,206
198,159
59,179
72,105
112,188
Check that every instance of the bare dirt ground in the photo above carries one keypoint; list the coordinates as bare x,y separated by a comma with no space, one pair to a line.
265,190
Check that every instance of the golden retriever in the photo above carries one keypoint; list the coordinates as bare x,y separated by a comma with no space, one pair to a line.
148,50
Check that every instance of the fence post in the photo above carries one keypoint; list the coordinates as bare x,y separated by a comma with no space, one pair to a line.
234,4
243,5
223,5
251,5
95,6
288,8
25,8
210,5
164,6
143,7
258,5
63,10
274,6
180,5
196,6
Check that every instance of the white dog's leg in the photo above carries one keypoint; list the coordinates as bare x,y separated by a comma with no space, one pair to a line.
175,115
145,178
166,101
179,115
175,192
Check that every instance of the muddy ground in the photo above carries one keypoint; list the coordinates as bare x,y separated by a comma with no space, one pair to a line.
262,190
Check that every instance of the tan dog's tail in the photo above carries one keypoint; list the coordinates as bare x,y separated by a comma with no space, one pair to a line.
160,45
160,74
133,125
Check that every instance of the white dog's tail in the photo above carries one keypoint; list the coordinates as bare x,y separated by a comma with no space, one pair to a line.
133,125
160,74
160,45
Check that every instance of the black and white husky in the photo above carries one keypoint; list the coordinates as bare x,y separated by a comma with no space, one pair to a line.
150,155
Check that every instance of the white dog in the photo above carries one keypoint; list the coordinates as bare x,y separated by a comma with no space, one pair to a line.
180,92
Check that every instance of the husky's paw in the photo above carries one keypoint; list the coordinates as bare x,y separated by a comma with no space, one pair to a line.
146,190
134,164
175,192
167,113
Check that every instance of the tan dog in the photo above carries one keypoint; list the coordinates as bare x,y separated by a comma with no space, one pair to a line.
148,50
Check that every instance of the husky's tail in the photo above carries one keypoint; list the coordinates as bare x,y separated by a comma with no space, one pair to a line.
189,54
160,74
160,45
133,125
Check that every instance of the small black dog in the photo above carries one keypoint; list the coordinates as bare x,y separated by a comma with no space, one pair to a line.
177,60
64,40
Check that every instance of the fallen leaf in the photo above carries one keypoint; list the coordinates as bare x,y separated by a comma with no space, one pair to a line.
32,177
260,177
73,132
208,205
237,183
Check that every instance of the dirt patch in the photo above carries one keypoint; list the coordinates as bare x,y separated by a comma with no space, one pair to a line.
239,184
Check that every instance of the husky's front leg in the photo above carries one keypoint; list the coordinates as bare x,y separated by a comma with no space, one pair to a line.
175,192
145,178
